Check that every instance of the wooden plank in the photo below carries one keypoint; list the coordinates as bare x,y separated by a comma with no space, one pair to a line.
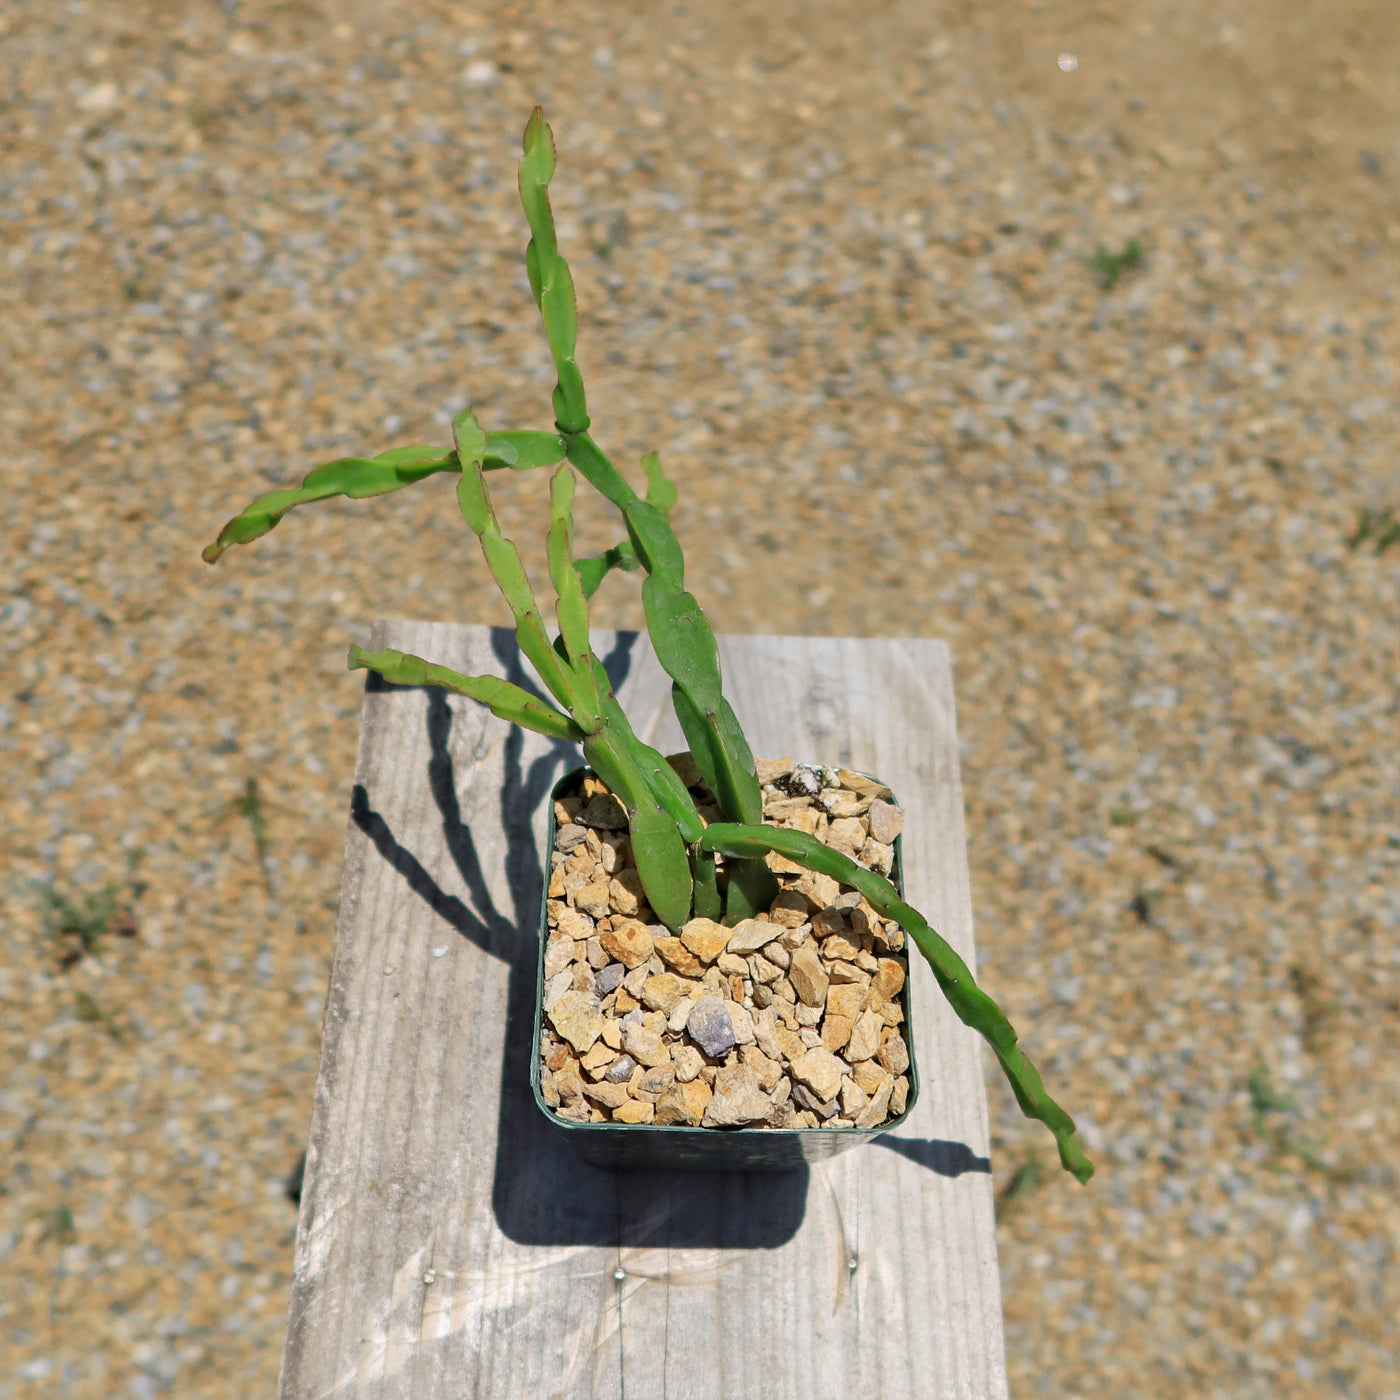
449,1247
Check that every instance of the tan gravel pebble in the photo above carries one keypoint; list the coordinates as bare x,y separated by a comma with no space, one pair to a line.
705,939
629,943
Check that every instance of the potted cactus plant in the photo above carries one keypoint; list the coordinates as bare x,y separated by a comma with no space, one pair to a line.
701,856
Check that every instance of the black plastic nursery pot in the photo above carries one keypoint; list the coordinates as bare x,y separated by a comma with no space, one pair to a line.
627,1145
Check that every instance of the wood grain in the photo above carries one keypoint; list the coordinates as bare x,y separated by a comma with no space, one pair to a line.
447,1247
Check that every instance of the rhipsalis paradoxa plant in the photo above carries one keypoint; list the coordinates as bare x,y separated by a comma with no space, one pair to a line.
674,850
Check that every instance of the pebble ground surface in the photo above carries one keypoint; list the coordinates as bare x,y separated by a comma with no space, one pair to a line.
831,262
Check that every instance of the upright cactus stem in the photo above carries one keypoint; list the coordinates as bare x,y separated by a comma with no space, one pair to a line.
550,279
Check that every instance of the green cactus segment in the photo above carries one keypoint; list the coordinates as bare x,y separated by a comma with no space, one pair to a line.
572,607
662,865
651,537
655,542
360,477
560,310
685,645
973,1006
706,898
567,399
752,888
522,448
354,477
657,845
721,752
536,171
550,280
593,571
661,490
503,559
597,469
686,648
506,701
719,748
651,768
471,490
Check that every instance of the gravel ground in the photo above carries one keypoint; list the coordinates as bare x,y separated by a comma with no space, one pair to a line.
832,263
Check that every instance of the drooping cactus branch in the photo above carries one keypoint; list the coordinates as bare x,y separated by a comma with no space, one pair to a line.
973,1006
504,700
359,477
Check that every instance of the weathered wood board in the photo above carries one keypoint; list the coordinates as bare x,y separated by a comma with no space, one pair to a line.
448,1247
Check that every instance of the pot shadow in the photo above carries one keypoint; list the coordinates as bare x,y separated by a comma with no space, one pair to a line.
543,1194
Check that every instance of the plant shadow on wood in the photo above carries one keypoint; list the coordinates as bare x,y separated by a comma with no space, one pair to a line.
938,1155
543,1194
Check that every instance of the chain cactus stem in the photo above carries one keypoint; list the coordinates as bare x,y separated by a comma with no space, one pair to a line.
682,637
359,477
658,847
593,571
354,477
503,559
661,493
661,490
973,1006
550,279
572,607
577,680
662,780
506,701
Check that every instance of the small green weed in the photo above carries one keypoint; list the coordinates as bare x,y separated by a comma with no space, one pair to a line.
1379,527
1264,1099
248,804
87,1008
80,925
1022,1182
1318,1009
1143,902
1122,816
1109,267
58,1226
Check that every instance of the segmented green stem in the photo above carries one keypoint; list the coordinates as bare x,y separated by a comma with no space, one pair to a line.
550,279
593,571
507,701
659,808
973,1006
359,477
570,682
684,642
572,606
677,625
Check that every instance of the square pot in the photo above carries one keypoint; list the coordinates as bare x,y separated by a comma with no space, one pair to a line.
703,1149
